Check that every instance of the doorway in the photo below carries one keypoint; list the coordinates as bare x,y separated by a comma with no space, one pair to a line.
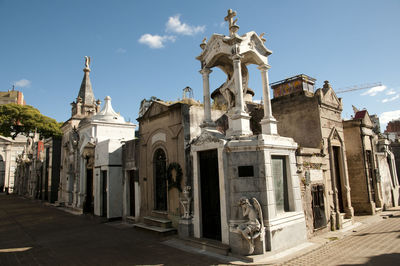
318,206
370,175
89,203
210,198
104,192
160,174
338,177
132,192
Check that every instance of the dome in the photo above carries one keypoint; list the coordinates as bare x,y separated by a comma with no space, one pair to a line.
107,113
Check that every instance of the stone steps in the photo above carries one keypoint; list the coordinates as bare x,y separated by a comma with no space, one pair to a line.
207,245
160,226
156,229
156,221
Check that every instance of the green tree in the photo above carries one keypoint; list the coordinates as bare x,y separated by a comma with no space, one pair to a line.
24,119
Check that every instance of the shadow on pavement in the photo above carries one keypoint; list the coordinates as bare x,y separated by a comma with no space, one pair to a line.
384,259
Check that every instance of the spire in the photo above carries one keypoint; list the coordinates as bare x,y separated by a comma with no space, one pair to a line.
86,91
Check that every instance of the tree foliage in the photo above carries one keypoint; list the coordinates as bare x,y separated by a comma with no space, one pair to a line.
24,119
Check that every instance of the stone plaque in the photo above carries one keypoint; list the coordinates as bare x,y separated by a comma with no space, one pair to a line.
316,175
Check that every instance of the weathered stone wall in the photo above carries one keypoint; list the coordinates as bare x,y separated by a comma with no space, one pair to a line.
298,118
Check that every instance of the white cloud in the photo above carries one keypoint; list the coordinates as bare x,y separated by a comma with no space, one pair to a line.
22,83
155,41
176,26
386,117
391,99
121,51
375,90
390,92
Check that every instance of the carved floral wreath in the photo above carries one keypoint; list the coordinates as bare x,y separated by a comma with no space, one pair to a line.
178,178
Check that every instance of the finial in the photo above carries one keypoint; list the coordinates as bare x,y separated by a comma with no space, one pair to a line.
262,37
326,84
203,43
87,62
233,28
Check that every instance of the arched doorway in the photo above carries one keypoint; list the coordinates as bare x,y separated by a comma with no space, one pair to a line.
160,178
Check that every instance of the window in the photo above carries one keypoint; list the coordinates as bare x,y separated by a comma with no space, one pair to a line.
279,177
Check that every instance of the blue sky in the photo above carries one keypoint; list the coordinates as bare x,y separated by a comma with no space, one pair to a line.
148,48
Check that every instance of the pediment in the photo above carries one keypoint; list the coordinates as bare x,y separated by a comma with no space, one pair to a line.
329,97
367,120
220,48
5,140
208,136
155,108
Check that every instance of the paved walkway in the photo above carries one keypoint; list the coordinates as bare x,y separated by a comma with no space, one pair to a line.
375,242
34,234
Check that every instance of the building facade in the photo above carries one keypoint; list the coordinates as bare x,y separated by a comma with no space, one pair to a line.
313,120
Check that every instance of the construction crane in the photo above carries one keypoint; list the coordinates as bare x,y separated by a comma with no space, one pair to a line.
358,87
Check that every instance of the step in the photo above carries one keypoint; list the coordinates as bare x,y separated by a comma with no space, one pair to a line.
156,229
208,245
378,210
156,221
346,223
130,219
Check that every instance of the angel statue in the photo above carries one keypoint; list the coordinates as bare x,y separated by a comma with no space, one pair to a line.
254,227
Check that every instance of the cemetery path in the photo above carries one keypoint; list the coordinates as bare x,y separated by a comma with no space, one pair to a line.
32,233
35,234
378,243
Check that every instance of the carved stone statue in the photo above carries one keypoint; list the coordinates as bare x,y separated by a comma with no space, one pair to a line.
228,89
254,227
185,201
87,61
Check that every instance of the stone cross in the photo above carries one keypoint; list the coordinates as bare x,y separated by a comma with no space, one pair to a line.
229,18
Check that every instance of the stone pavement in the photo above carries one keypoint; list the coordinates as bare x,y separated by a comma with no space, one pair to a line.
34,234
375,242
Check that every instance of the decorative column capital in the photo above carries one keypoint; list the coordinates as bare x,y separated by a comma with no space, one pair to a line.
264,67
205,71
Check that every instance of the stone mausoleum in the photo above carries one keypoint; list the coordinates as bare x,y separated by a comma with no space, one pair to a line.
246,191
313,119
92,177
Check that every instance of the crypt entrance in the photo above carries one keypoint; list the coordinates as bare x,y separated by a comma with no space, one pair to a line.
210,198
160,180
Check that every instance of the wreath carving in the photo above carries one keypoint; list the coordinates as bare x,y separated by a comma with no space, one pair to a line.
178,177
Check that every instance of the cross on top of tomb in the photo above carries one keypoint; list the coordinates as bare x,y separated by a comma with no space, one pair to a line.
232,23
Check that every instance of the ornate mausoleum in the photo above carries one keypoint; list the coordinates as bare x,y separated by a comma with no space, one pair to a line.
246,191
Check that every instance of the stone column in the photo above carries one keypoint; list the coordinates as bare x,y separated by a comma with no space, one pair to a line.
237,74
205,72
268,123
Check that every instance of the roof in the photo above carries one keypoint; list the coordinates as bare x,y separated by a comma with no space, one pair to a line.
107,114
360,114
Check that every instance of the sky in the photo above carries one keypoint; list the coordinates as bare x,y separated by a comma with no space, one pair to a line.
140,49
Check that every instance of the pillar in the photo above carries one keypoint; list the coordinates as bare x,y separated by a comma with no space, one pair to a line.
268,123
205,72
237,73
